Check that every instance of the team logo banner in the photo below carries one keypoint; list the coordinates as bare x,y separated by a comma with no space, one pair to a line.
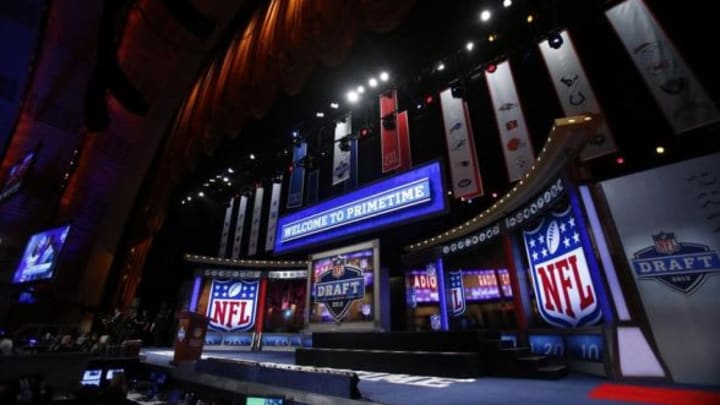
232,305
255,226
297,177
464,170
273,215
226,229
518,151
456,293
680,265
239,227
561,278
389,140
339,287
404,141
575,93
674,86
341,151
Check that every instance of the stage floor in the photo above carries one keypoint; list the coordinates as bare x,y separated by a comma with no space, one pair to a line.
401,389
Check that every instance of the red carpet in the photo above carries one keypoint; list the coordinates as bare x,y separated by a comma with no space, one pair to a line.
654,395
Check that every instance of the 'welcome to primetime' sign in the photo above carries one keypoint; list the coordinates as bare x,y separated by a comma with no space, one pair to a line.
408,196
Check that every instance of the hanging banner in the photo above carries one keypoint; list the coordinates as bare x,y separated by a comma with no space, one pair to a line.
680,97
464,170
239,227
517,148
404,141
255,226
560,273
389,142
341,150
313,187
575,92
226,229
297,177
273,215
352,182
668,221
232,305
456,292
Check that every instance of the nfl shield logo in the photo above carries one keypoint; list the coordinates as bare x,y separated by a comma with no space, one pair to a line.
666,243
561,278
456,293
338,267
232,305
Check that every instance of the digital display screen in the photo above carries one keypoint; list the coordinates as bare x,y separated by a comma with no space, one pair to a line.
480,285
350,296
264,401
41,255
423,285
91,377
15,176
111,372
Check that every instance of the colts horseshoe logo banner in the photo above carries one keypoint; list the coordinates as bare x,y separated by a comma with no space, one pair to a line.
674,86
464,170
574,91
232,305
338,287
561,278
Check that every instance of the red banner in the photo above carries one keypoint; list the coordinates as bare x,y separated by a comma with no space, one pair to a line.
389,142
404,141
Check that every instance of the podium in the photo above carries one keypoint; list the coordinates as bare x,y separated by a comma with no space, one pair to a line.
189,337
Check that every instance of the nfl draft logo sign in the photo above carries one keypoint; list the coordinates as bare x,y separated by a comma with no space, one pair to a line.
232,305
339,287
456,293
561,278
680,265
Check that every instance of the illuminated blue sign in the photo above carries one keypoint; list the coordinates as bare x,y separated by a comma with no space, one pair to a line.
408,196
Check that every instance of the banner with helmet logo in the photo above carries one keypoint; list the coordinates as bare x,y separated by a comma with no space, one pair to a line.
342,150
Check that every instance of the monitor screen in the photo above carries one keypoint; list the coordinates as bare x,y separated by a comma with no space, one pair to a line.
91,377
41,254
255,400
111,372
15,176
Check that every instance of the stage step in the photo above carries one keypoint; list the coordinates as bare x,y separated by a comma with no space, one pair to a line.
442,364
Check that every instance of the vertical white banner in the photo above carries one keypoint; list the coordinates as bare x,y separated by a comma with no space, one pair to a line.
341,151
239,227
255,226
575,92
464,169
222,251
273,216
517,148
681,98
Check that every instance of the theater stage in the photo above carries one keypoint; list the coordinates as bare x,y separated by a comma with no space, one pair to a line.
399,389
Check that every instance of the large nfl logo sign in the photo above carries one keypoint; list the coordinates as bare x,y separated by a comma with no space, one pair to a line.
560,273
232,305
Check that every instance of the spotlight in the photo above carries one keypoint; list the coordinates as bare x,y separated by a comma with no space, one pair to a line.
619,160
334,106
384,76
182,202
469,46
449,192
230,169
440,67
295,134
530,18
212,180
372,82
419,106
660,150
491,68
320,114
189,198
429,99
360,89
201,194
252,157
494,195
492,38
364,132
485,16
555,40
225,179
507,3
206,185
352,97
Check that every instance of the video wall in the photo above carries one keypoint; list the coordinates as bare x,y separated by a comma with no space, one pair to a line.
41,255
15,176
343,285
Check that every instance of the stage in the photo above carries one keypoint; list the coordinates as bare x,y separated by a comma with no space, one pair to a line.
401,389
